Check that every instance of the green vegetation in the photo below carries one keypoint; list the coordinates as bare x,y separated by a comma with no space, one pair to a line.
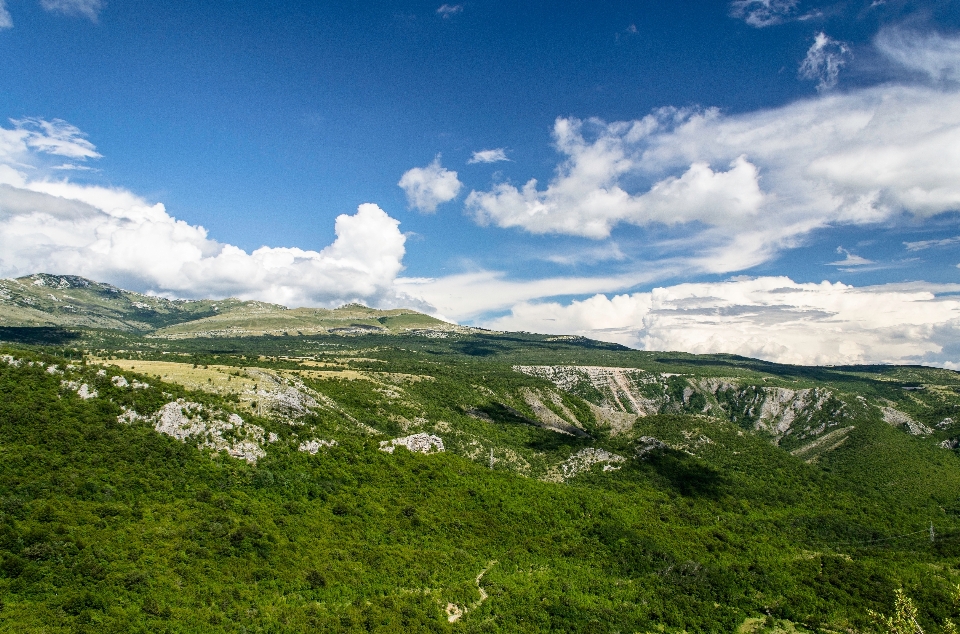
583,487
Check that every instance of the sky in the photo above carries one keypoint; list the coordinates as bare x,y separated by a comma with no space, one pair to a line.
772,178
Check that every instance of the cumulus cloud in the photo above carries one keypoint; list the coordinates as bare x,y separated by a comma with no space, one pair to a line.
771,318
587,199
447,10
743,187
111,234
489,156
761,13
825,57
6,21
427,187
85,8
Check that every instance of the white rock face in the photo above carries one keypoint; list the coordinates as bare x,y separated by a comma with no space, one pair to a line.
185,421
129,416
897,418
286,396
421,443
582,461
119,381
781,407
10,360
620,386
54,369
85,392
313,446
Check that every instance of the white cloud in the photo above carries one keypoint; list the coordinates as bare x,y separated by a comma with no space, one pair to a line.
53,137
771,318
740,188
6,20
931,54
427,187
447,10
86,8
927,244
586,198
851,259
113,235
489,156
823,62
761,13
466,296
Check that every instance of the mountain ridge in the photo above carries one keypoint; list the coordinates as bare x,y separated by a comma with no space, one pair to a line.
49,300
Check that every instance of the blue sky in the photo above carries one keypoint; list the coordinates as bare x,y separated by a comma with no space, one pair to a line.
718,145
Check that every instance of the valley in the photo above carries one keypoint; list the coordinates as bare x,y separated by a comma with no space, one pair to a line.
385,471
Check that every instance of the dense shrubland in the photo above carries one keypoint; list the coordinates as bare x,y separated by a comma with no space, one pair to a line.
108,526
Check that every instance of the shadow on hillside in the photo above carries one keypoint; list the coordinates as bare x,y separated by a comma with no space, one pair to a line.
43,336
477,348
838,374
687,474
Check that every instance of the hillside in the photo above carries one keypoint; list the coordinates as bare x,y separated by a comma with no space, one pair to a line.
44,300
236,470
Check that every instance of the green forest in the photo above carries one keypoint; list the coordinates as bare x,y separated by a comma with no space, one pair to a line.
269,483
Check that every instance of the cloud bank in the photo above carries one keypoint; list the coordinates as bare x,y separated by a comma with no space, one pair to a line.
772,318
110,234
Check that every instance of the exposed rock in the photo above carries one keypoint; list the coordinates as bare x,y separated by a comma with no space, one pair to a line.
946,422
950,443
421,443
648,444
10,360
828,442
129,416
287,397
618,422
582,461
313,446
897,418
119,381
620,387
184,421
550,419
86,393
